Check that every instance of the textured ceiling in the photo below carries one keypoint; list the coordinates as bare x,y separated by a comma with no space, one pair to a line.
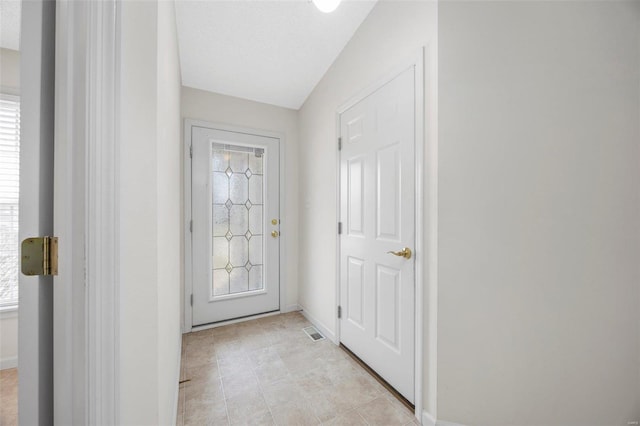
267,51
10,24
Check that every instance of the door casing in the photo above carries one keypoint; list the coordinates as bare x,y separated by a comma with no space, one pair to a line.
189,124
86,213
421,255
80,342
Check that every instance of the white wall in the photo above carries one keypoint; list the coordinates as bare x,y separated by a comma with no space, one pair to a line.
539,231
539,208
149,240
10,84
390,36
222,109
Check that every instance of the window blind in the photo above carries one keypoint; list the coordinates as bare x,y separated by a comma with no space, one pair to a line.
9,196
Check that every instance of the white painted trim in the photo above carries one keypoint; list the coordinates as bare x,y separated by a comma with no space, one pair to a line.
420,253
422,170
324,330
431,216
103,221
186,226
428,419
87,154
189,124
7,363
291,308
338,194
9,312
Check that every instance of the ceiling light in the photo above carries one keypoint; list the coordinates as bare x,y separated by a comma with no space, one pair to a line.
326,6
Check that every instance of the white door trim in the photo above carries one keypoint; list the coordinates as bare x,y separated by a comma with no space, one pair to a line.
189,124
424,253
86,213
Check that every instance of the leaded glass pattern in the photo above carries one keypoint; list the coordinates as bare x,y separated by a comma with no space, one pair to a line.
237,225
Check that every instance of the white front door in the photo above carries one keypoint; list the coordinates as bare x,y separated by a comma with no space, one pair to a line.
235,233
377,214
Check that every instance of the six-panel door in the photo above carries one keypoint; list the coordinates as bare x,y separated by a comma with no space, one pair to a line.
377,209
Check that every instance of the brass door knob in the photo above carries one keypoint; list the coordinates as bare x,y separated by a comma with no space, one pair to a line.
405,252
274,234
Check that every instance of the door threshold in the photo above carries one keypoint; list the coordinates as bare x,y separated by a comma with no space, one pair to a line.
233,321
404,401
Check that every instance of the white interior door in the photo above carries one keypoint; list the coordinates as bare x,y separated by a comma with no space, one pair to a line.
35,314
377,213
236,225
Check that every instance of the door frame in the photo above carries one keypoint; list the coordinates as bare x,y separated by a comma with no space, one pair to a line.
426,245
189,124
86,212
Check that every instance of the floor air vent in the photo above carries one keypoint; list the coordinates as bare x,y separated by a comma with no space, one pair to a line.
313,333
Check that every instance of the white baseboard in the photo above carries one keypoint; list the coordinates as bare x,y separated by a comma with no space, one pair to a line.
8,363
428,419
319,325
290,308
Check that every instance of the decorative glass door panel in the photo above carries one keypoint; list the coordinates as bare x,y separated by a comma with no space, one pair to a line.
237,192
235,209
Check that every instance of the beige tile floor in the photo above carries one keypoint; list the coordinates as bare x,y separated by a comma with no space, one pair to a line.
267,371
9,397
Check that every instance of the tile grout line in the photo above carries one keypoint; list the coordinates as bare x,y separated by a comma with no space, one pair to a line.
247,348
224,394
289,373
273,419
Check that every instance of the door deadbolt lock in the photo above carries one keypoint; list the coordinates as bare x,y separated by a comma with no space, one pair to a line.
274,221
274,234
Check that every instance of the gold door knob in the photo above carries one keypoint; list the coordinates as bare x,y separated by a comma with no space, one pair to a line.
274,221
405,252
274,234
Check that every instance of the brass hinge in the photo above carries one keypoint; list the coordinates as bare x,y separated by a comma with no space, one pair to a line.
39,256
190,151
190,226
192,299
339,144
339,311
339,228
